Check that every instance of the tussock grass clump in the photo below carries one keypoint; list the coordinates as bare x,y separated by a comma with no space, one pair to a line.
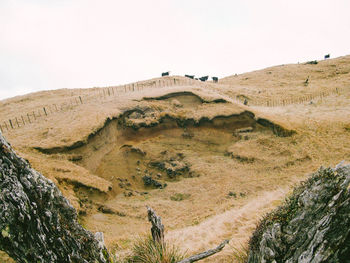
145,250
240,254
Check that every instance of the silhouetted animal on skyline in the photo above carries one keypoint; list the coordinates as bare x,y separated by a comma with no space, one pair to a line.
165,73
204,78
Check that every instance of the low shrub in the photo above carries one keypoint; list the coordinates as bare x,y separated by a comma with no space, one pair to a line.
145,250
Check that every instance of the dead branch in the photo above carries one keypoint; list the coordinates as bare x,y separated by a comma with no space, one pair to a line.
205,254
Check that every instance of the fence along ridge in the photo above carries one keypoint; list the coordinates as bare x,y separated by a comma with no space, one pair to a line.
294,100
100,94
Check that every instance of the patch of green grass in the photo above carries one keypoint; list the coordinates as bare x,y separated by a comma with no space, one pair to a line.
179,197
145,250
347,127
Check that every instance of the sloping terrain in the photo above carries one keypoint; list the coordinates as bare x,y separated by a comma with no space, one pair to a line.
209,165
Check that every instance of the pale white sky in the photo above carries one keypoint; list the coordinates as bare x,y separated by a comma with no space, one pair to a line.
52,44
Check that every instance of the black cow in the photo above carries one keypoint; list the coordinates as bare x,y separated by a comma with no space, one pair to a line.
215,79
165,73
327,56
204,78
189,76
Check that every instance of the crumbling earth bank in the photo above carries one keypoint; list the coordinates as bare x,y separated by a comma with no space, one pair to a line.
312,226
37,224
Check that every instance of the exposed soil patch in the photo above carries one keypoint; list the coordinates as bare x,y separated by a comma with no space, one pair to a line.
185,98
144,149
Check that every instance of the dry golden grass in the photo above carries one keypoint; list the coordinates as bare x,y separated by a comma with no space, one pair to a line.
241,177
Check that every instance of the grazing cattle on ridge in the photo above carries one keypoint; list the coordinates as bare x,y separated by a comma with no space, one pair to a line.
327,56
165,73
189,76
215,79
204,78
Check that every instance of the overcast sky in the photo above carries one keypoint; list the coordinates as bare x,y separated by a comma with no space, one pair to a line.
52,44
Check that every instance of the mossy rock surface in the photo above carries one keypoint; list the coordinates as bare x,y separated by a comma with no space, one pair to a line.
38,224
313,225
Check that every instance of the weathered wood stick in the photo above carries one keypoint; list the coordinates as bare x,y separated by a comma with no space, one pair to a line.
157,226
205,254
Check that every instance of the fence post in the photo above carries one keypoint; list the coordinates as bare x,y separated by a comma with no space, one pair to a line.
17,122
28,118
23,120
45,111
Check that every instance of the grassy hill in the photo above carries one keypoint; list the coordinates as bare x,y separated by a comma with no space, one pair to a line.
225,164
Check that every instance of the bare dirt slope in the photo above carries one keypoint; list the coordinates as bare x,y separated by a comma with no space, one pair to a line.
209,165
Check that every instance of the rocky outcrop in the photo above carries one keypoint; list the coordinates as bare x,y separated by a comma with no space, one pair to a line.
37,224
312,226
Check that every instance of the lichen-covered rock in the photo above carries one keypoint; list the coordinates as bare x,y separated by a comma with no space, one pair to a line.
37,224
312,226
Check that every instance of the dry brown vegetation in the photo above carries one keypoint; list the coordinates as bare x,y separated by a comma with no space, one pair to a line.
223,167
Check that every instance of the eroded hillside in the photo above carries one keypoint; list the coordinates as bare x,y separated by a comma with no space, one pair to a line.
208,164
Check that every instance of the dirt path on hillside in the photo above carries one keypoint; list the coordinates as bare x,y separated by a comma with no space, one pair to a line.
235,224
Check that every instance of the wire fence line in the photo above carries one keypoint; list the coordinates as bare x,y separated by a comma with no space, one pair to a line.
311,98
104,94
94,95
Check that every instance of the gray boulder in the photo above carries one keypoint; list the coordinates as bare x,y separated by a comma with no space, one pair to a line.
37,224
312,226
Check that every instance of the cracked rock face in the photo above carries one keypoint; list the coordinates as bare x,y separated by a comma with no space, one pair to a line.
37,224
312,226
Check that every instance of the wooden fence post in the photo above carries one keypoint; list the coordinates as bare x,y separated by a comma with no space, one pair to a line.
17,122
45,111
28,118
